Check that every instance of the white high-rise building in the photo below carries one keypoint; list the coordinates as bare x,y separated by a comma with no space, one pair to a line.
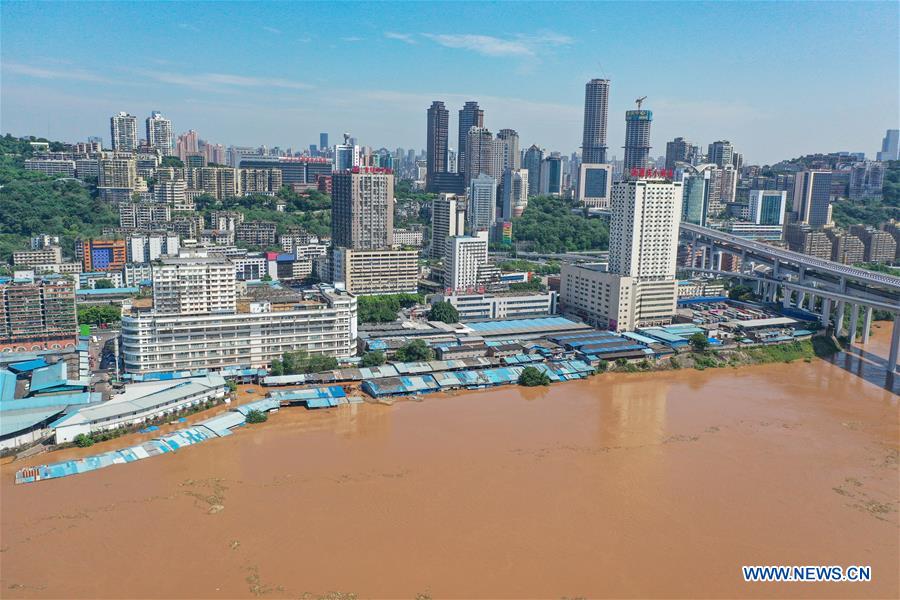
146,248
638,288
194,283
464,261
174,194
159,133
448,218
515,193
123,132
482,209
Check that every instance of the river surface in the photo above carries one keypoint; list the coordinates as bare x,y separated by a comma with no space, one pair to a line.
624,485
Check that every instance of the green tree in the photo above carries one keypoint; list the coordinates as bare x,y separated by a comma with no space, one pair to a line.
257,416
83,441
300,361
531,377
699,342
554,225
534,285
384,308
373,358
94,314
414,351
444,312
103,284
741,292
172,161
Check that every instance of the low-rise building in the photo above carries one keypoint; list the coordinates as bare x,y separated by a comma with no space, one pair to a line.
321,321
616,302
502,305
66,168
37,313
44,256
363,272
256,233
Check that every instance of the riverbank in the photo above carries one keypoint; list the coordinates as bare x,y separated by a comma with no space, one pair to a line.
654,485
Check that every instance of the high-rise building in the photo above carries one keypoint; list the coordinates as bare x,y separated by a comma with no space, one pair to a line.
695,194
767,207
464,260
37,314
480,154
812,198
506,152
437,140
323,142
638,289
552,175
637,139
721,153
594,185
514,193
448,218
147,248
363,209
643,230
866,180
679,150
188,143
890,146
469,116
383,271
846,248
101,255
194,283
879,245
117,178
159,133
534,157
482,208
123,132
596,108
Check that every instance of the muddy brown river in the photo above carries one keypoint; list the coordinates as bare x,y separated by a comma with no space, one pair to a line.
625,485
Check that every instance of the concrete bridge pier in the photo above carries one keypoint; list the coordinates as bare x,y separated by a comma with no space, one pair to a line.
801,299
826,312
786,298
854,317
839,319
867,325
895,345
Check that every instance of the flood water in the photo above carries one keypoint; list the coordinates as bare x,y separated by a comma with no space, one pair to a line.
631,485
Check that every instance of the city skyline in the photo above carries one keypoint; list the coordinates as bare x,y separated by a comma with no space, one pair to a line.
242,75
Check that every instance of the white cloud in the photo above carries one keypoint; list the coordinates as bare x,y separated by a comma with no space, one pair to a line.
403,37
482,44
521,44
188,26
45,73
203,80
351,38
274,30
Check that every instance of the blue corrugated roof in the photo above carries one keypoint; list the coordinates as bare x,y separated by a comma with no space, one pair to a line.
7,385
28,365
15,421
35,402
108,291
519,323
48,377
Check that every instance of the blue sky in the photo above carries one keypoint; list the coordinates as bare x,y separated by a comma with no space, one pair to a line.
778,79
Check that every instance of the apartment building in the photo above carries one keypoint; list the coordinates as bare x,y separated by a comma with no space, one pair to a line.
37,313
318,321
363,272
43,256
